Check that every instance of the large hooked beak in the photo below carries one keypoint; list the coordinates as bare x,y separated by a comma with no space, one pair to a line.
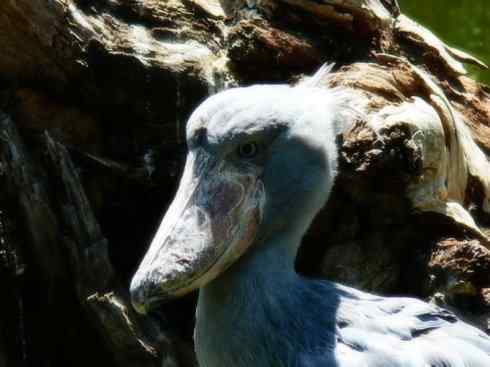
211,222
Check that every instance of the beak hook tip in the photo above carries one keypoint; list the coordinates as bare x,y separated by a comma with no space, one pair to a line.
138,297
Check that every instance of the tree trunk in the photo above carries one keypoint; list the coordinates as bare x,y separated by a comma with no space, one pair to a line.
94,97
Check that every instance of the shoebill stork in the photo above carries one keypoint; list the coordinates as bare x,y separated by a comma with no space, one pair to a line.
261,162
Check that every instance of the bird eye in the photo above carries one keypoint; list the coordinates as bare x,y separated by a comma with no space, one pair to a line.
248,150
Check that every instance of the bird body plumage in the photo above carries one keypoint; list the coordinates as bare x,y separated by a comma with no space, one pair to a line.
316,323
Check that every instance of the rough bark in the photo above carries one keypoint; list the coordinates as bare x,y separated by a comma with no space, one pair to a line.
94,97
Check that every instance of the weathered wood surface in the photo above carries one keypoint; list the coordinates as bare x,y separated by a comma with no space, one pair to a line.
99,92
134,342
67,242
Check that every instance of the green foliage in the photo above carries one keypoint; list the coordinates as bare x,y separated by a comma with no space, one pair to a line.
464,24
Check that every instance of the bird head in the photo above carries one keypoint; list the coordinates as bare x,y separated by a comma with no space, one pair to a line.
261,159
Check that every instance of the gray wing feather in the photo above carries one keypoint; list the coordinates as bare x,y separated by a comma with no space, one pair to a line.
404,332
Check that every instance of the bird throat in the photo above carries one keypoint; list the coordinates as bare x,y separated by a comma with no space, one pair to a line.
232,311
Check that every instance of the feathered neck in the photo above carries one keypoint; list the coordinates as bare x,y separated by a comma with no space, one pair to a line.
252,314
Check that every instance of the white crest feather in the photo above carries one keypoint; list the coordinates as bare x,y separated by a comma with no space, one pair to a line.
316,78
